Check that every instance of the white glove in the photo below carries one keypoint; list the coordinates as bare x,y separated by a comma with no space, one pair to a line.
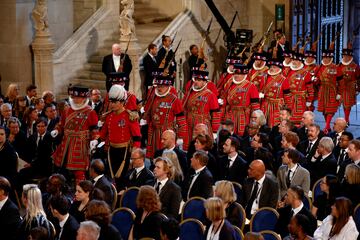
100,144
308,104
261,95
220,101
179,142
93,144
143,122
54,133
214,136
100,124
338,97
142,110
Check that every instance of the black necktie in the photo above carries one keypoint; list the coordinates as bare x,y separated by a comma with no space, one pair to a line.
288,181
252,199
158,187
309,148
39,140
133,175
291,213
341,156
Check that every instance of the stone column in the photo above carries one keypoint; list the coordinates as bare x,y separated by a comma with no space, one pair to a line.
128,41
43,48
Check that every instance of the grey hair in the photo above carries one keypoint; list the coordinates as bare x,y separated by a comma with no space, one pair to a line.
260,114
8,105
91,229
327,143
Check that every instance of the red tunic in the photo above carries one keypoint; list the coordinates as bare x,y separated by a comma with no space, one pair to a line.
221,83
302,91
311,70
277,93
350,74
164,113
328,90
130,102
210,85
73,152
241,99
258,77
286,71
201,107
121,129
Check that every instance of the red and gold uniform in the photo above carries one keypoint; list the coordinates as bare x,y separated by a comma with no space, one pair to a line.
276,94
122,131
241,99
211,86
75,124
224,78
286,63
302,91
350,74
258,75
311,69
164,112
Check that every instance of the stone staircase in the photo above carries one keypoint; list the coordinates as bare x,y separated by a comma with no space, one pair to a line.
149,24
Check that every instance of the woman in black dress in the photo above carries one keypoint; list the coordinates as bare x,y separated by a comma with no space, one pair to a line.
82,198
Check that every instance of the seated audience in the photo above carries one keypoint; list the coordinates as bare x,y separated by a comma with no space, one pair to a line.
177,174
309,146
99,212
205,143
8,158
88,230
330,190
28,125
168,191
354,151
82,198
169,229
291,173
260,149
339,224
225,190
38,233
342,160
220,228
148,219
299,228
351,186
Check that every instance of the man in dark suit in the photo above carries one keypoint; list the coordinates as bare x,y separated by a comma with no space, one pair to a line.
9,214
95,101
294,206
150,65
169,192
8,157
116,62
282,45
339,127
60,206
342,160
196,59
233,167
198,184
354,151
168,141
323,162
308,118
308,147
51,116
30,93
97,171
259,190
165,56
139,175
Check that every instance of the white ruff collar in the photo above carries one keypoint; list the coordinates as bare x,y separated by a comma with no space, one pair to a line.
259,68
75,106
238,82
274,73
322,62
310,63
162,95
346,63
297,68
286,64
229,71
198,90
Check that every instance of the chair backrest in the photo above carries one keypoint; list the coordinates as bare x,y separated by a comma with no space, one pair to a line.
264,219
115,197
239,235
270,235
316,190
123,219
191,229
242,216
357,216
128,199
238,191
307,202
194,208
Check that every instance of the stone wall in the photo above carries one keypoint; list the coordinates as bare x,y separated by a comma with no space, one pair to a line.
83,9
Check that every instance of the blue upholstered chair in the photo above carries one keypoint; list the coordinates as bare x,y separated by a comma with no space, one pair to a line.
191,229
128,199
264,219
270,235
123,219
194,208
239,235
316,190
307,202
242,216
357,216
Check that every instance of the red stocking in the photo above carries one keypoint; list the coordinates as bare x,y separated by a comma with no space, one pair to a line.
347,114
328,120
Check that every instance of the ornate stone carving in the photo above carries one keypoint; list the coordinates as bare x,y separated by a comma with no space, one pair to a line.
40,17
127,24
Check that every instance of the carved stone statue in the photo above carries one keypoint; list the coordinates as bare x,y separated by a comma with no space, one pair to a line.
40,16
127,25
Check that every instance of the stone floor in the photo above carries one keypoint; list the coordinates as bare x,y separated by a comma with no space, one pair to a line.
354,127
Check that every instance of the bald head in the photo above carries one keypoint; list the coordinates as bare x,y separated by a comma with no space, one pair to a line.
256,169
340,125
116,49
168,139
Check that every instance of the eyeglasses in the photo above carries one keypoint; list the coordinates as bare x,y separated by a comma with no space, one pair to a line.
113,100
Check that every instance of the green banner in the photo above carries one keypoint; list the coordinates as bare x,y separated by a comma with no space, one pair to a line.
280,12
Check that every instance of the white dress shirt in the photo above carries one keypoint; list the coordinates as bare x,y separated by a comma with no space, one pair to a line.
348,232
255,205
2,203
116,60
232,160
